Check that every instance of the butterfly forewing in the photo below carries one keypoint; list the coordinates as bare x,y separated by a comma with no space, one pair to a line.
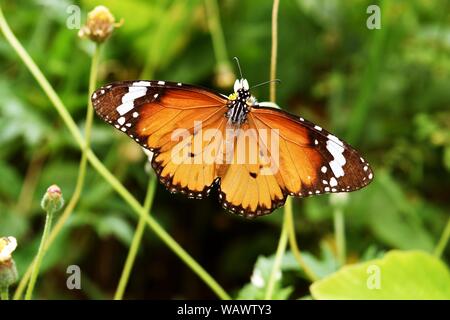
151,113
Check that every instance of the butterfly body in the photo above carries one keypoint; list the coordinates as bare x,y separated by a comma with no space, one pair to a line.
255,155
239,104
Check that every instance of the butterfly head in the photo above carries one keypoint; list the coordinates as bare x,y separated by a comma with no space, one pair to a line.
241,90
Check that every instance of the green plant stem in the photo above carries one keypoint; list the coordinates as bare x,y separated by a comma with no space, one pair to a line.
273,55
4,295
137,238
289,220
282,243
40,255
215,28
339,232
81,172
440,247
100,168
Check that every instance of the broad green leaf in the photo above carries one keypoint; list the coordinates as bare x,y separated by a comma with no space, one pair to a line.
398,275
257,287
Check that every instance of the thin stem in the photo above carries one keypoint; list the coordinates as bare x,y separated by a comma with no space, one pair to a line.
90,109
273,56
276,272
81,172
440,247
4,295
100,168
339,232
215,28
136,241
282,242
40,255
293,242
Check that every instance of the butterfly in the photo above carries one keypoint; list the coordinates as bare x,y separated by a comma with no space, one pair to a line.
255,154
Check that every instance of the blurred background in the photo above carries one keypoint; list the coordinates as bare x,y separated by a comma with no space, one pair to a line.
385,91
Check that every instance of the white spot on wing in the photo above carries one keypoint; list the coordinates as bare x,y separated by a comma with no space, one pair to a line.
335,147
333,182
318,128
161,83
323,169
335,139
129,98
141,84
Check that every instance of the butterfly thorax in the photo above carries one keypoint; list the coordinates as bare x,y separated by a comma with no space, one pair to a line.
239,106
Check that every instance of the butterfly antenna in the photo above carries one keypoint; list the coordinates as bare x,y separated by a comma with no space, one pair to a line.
239,66
266,82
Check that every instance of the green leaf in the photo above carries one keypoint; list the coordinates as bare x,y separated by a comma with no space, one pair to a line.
115,226
398,275
391,215
257,287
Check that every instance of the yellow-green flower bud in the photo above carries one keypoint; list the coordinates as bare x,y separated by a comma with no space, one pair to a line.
99,25
8,270
52,199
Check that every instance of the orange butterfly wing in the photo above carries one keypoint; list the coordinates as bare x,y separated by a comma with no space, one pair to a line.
312,160
309,161
152,113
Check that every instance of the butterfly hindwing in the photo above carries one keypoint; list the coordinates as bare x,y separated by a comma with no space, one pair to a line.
246,187
312,160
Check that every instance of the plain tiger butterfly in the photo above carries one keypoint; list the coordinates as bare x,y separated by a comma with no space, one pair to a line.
255,154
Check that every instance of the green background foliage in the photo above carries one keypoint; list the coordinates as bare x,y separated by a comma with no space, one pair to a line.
385,91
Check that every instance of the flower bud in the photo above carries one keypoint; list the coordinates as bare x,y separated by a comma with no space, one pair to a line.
7,247
8,270
52,199
99,25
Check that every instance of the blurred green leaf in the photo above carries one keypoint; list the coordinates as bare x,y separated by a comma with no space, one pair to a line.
392,216
116,226
10,181
402,275
257,287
